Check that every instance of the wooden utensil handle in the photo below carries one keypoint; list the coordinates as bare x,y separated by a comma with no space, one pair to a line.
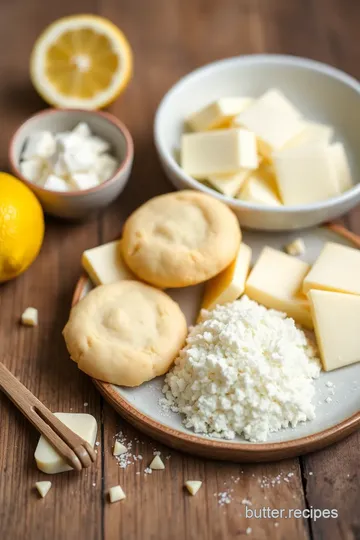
43,419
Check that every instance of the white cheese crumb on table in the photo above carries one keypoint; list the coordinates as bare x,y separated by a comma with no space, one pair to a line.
245,370
30,317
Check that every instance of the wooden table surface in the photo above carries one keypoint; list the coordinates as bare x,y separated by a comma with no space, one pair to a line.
169,38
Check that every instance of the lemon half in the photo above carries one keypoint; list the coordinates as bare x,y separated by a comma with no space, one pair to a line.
81,61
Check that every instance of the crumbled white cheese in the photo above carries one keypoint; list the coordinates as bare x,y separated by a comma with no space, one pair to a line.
69,160
245,370
30,317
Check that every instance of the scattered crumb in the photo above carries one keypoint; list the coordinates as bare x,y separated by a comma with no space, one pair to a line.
328,400
246,501
276,524
311,473
86,404
248,530
224,497
147,470
94,484
97,443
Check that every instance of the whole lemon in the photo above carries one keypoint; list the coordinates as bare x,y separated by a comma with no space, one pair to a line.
21,227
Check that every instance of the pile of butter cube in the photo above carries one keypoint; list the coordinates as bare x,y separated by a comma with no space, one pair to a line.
67,161
264,151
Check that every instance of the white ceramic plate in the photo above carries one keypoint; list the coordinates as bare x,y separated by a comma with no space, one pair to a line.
334,419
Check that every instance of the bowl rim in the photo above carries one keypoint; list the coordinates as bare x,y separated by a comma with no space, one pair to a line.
129,151
270,59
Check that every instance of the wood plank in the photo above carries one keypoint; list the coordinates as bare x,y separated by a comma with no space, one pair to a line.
37,356
169,40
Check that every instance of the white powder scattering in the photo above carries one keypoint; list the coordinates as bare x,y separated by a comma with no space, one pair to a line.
245,370
224,497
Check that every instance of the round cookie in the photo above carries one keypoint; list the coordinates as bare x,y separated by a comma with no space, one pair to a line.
180,239
125,333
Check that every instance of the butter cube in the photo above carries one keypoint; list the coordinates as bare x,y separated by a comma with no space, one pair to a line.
305,175
276,281
218,113
47,459
39,145
55,183
193,486
218,152
313,133
337,327
32,169
157,464
119,449
116,494
68,141
230,283
336,269
43,488
85,180
260,188
105,264
30,317
273,119
341,165
229,184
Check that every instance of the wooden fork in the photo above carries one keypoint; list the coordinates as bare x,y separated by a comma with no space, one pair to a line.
73,449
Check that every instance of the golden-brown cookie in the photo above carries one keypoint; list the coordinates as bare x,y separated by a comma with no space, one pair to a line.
125,333
180,239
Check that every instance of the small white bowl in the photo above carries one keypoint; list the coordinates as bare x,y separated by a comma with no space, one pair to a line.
322,93
82,203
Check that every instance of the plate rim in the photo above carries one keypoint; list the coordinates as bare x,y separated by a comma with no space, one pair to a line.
220,449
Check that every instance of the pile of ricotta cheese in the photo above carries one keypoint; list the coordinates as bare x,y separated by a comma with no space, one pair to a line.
68,160
245,370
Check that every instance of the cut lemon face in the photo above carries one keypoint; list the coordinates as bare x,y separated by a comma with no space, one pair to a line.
81,61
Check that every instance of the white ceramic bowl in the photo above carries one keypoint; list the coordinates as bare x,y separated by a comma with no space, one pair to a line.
77,204
321,92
